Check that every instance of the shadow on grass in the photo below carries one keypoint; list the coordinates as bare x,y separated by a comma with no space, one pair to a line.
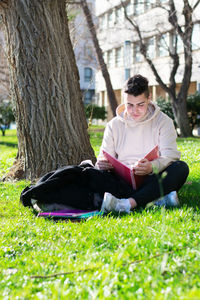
9,144
114,215
195,162
189,194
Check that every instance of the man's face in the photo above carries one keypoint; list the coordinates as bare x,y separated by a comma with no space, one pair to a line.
136,106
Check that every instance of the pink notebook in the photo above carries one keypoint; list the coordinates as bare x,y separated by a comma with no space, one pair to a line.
128,174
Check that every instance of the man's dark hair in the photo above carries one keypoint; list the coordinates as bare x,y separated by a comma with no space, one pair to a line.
137,85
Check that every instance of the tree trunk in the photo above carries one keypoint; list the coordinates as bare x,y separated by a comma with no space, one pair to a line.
49,112
179,101
181,117
111,94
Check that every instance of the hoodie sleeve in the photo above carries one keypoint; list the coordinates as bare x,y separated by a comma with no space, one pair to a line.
167,145
108,142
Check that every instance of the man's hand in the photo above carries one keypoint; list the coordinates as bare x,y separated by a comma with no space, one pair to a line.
103,164
143,167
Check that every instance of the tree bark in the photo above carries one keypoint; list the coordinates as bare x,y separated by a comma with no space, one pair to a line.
49,112
182,117
111,94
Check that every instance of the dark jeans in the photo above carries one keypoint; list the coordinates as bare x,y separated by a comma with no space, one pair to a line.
157,185
84,187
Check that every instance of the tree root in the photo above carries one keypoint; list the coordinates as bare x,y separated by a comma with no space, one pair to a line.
16,172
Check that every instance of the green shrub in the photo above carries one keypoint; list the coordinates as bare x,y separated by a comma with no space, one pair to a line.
93,111
193,107
6,115
166,107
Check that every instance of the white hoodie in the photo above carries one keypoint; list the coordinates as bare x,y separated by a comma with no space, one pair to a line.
130,140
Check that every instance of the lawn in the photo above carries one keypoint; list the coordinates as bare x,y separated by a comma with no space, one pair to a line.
150,254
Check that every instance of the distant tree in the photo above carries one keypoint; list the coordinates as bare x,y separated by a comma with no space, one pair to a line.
6,116
184,31
111,94
193,107
51,123
93,111
166,107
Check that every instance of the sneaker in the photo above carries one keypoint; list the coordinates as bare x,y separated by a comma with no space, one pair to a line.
111,203
34,203
169,200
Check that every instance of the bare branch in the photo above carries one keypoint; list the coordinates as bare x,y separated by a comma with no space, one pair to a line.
126,15
96,268
172,18
143,50
64,273
185,32
111,95
187,39
196,4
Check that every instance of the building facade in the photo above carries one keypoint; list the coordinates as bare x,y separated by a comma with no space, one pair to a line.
84,50
120,44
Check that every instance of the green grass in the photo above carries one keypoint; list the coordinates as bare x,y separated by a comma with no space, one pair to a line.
150,254
8,151
96,139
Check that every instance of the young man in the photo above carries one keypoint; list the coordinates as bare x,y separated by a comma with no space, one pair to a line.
138,127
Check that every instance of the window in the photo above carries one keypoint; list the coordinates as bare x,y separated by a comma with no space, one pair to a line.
127,73
151,47
180,47
137,56
163,45
105,57
119,15
163,1
196,37
129,9
127,54
149,4
177,39
88,96
110,58
102,22
138,7
88,74
118,57
110,19
88,51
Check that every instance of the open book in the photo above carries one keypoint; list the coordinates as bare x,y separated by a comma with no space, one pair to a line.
127,173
